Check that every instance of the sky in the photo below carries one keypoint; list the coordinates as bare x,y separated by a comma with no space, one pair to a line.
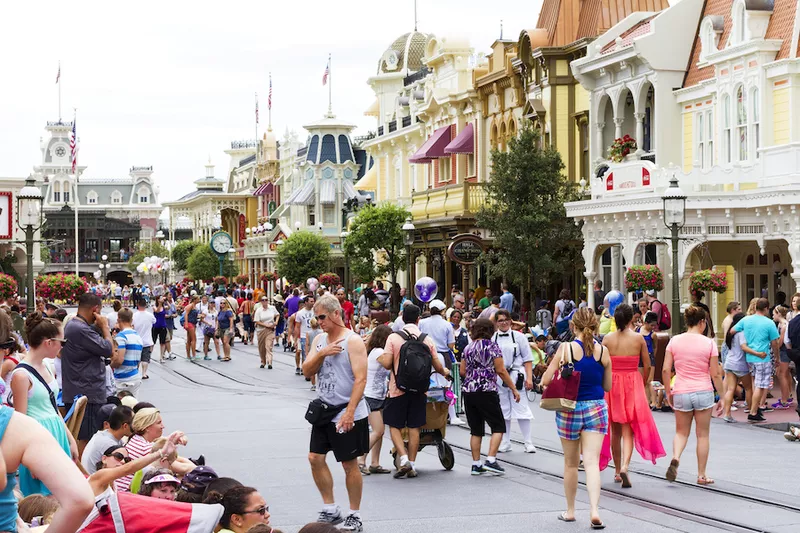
172,83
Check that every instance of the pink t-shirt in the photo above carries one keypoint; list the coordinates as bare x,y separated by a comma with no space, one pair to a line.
692,353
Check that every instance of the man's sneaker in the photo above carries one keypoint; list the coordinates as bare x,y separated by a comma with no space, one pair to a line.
788,436
494,467
766,409
478,470
456,422
298,372
313,388
352,523
530,448
504,447
330,517
412,473
755,418
403,470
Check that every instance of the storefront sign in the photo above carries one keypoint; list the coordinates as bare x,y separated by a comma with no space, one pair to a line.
465,248
6,208
630,176
242,226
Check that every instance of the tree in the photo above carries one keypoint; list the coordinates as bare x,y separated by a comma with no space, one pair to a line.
203,264
534,241
144,249
181,253
375,245
303,255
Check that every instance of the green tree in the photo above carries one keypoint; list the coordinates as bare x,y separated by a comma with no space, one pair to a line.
376,232
303,255
534,241
144,249
181,253
203,264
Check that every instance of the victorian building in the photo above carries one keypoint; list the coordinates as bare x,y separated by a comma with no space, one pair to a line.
708,90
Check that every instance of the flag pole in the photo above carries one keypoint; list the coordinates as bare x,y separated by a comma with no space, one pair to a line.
75,193
330,85
256,125
269,102
59,91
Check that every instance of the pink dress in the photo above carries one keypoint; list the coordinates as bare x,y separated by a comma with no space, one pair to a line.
627,404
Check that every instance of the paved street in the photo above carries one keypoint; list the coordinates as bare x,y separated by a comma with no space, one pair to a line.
249,424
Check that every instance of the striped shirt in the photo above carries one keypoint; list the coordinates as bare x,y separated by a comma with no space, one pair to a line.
131,342
137,447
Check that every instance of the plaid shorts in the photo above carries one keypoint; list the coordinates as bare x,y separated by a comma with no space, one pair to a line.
762,374
589,415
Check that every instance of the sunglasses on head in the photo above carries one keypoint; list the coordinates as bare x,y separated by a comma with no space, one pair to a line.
119,457
263,510
8,345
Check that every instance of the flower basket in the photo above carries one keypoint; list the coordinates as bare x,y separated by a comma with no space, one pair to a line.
220,280
61,287
622,147
644,278
329,279
266,277
708,280
242,279
8,286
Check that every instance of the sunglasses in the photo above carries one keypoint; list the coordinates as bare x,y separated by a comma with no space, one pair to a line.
263,510
119,457
321,317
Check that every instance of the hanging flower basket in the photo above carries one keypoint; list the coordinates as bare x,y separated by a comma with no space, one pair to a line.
622,147
329,279
242,279
61,287
644,278
266,277
220,280
8,286
708,280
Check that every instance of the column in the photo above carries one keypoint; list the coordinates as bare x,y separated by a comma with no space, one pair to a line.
618,127
448,278
601,150
639,131
590,277
616,266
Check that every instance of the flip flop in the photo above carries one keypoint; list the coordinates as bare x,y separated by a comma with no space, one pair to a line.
563,517
626,482
672,471
701,480
597,525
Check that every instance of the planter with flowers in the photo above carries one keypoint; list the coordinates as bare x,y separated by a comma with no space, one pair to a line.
266,277
622,148
221,281
61,287
8,286
329,279
708,281
242,279
644,278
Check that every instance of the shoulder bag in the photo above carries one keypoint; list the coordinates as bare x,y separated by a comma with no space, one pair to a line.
562,393
33,372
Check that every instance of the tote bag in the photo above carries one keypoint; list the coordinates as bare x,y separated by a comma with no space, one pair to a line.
562,393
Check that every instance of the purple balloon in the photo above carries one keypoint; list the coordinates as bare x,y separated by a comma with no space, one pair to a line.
425,289
614,299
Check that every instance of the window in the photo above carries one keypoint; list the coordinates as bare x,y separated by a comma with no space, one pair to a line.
312,218
329,215
710,138
726,131
116,197
701,146
91,197
144,195
739,23
398,178
67,188
741,123
57,191
470,165
444,169
754,131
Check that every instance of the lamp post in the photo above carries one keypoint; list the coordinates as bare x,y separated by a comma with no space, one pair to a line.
408,239
104,266
29,220
674,218
346,280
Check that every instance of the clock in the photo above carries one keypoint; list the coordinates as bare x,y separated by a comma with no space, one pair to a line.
221,242
391,59
61,151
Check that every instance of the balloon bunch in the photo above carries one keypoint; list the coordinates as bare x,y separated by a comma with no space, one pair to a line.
312,284
153,265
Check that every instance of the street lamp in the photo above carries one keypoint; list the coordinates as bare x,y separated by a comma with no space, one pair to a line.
674,218
29,220
344,236
408,239
104,266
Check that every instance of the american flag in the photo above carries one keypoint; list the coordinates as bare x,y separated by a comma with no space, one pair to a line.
73,146
256,108
327,72
58,76
269,98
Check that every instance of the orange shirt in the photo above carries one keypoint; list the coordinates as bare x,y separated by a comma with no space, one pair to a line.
393,344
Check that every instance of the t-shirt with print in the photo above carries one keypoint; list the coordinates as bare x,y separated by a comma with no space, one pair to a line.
759,332
692,353
131,342
480,356
303,317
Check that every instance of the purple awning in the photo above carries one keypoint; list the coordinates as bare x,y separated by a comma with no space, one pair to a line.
464,143
433,147
264,189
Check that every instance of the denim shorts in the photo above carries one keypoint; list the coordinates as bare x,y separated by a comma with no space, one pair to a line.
693,401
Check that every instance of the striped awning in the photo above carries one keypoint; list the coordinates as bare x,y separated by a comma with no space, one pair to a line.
348,190
303,196
327,192
264,189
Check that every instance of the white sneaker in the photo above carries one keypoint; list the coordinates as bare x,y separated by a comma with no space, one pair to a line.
456,422
734,408
504,447
530,448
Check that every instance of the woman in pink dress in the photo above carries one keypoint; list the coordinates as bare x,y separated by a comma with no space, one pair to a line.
628,408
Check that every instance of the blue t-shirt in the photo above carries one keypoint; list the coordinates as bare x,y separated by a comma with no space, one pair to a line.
224,319
131,342
759,332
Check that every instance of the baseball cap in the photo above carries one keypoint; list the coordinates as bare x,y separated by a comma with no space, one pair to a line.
438,304
651,292
198,479
129,401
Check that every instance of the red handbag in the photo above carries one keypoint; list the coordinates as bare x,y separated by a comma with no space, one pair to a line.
562,393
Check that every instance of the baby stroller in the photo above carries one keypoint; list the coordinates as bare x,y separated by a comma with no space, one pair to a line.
433,432
124,511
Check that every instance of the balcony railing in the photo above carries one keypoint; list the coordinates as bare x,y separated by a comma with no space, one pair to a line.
380,131
142,169
406,121
392,126
419,75
251,143
459,200
59,123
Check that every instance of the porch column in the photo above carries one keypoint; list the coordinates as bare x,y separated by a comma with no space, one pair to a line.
639,131
599,134
794,256
616,266
618,122
590,277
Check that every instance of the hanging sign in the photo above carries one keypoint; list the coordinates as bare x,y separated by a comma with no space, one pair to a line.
465,248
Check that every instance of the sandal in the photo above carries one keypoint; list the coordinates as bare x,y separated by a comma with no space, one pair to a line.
626,482
379,470
226,360
617,478
672,471
563,517
597,525
364,470
703,480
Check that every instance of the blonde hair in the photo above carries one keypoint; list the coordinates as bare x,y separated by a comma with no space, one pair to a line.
37,505
585,324
751,309
144,419
314,323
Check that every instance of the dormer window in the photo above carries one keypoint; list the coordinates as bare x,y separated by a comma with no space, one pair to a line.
91,198
710,30
116,197
739,27
144,195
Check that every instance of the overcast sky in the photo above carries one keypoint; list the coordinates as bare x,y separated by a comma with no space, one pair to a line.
172,82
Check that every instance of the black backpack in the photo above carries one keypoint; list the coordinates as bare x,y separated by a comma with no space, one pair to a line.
415,365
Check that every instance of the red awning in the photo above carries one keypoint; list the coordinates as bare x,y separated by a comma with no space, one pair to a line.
464,143
433,147
264,189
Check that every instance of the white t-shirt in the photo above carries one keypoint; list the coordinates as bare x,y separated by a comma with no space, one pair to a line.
377,376
268,315
112,319
99,443
304,316
143,324
210,318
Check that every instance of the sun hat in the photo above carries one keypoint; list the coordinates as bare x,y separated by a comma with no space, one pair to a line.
162,478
